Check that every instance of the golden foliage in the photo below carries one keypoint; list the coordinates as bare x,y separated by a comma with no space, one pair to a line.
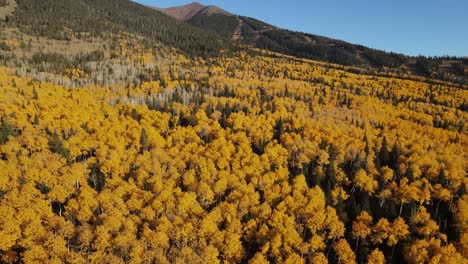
234,159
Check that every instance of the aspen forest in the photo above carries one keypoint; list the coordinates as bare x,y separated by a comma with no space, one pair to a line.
126,151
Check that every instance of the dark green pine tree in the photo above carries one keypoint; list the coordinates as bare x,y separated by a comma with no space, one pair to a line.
384,154
97,179
394,159
331,172
6,130
279,129
36,120
144,141
56,146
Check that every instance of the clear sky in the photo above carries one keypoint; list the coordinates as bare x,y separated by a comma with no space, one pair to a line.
413,27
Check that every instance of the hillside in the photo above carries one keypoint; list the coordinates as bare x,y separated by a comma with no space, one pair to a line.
241,160
304,45
58,19
120,144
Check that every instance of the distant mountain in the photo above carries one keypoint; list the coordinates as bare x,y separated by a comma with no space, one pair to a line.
210,18
187,12
265,36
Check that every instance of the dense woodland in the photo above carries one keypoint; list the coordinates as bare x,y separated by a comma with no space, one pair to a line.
236,159
220,24
131,150
67,18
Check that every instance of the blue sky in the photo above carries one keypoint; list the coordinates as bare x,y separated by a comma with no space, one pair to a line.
427,27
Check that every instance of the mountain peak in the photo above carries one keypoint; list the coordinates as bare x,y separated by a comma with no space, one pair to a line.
194,4
187,12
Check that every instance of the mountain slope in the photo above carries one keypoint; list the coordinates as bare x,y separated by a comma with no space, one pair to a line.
61,18
221,24
262,35
247,157
254,158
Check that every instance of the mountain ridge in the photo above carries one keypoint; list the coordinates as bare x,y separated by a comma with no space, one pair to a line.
259,34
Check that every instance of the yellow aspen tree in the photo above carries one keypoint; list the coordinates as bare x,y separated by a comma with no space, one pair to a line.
399,231
344,252
376,257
